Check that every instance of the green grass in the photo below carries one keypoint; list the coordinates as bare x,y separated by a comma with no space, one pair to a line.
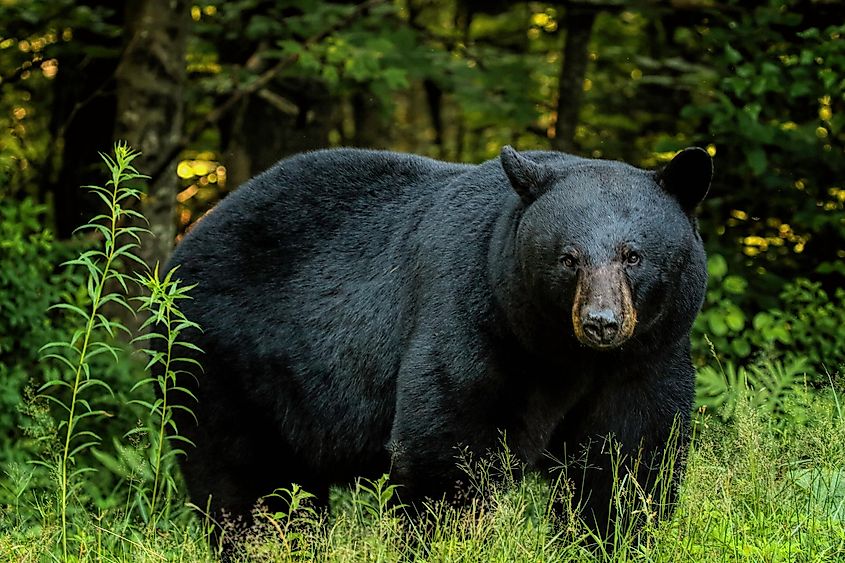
754,491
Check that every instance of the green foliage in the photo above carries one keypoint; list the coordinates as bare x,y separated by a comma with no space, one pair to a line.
806,325
91,395
770,387
298,514
29,284
375,498
497,82
69,392
826,488
815,322
768,358
365,51
752,493
163,327
750,490
762,83
777,118
34,35
722,318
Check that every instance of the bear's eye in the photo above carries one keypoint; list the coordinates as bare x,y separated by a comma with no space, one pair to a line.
569,260
633,258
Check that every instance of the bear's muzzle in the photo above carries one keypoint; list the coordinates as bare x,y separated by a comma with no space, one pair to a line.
603,314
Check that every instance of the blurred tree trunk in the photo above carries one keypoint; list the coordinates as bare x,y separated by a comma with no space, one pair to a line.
150,107
463,22
371,129
434,98
433,92
579,28
82,121
291,115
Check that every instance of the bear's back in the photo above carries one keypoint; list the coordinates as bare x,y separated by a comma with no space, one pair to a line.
310,195
303,206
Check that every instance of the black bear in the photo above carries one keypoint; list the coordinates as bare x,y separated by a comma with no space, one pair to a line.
365,312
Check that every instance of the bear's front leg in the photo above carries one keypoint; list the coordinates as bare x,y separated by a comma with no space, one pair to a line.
439,418
623,450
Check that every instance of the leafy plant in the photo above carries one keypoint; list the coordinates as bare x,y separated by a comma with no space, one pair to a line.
805,323
826,488
722,318
768,387
375,498
811,324
296,513
69,393
168,323
29,284
776,120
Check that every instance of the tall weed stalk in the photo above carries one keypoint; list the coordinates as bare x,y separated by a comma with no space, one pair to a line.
161,333
68,394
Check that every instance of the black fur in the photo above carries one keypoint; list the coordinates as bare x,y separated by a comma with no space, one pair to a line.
370,311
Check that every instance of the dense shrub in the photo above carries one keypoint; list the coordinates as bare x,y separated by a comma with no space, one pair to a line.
776,357
807,323
777,121
29,283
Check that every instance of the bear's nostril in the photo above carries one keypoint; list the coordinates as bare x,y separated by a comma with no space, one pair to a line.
602,325
610,331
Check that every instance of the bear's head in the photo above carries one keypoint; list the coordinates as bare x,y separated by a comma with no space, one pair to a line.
611,250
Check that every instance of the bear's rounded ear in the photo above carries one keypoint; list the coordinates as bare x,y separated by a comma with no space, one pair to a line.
687,177
528,178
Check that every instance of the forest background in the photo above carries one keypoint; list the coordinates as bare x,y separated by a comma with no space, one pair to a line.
214,92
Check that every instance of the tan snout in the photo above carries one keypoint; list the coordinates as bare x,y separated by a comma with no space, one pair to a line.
603,314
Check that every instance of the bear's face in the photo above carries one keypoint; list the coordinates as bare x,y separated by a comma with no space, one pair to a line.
604,244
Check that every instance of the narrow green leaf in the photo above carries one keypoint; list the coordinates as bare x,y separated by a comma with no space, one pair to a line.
149,336
56,402
95,383
188,345
180,438
187,410
54,383
146,404
72,308
82,447
143,382
60,359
